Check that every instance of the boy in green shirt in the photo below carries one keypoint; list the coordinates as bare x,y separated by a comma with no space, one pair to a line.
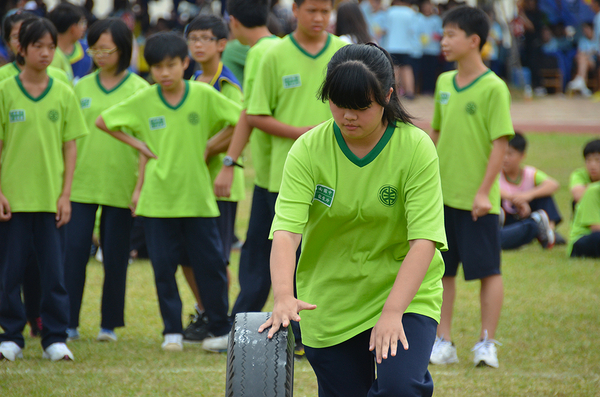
585,232
71,25
471,128
582,177
175,194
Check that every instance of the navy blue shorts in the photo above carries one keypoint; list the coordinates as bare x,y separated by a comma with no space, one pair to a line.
401,59
474,244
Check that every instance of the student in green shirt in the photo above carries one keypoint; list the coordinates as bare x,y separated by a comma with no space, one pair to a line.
582,177
39,122
174,192
362,192
71,24
105,176
584,241
471,128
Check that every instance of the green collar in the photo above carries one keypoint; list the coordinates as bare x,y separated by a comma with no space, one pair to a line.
372,155
470,84
302,50
14,63
167,104
42,95
104,90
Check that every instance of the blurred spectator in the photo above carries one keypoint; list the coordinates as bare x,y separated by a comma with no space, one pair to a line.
285,17
431,35
351,25
494,44
587,52
531,51
375,16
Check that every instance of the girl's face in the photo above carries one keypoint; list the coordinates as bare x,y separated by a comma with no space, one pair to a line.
105,52
359,124
39,55
13,41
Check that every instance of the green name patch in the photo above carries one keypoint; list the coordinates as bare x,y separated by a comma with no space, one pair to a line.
86,103
16,116
157,123
324,194
292,81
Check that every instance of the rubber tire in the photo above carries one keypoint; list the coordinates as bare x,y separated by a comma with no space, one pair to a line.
258,366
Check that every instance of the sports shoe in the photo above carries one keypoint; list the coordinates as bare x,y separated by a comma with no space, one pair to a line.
173,343
197,330
10,351
485,352
299,352
72,334
35,327
443,352
216,344
58,351
106,335
545,233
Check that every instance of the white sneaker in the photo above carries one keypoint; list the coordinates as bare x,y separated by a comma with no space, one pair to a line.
10,351
545,235
72,334
485,352
173,343
443,352
216,344
106,335
58,351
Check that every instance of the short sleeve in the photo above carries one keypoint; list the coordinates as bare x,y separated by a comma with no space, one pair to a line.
577,178
540,176
264,91
436,122
232,92
74,126
588,209
499,122
252,62
225,111
123,117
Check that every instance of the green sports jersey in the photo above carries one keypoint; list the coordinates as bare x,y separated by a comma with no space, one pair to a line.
587,213
60,61
12,70
469,119
260,141
33,131
356,217
286,86
107,169
579,177
178,183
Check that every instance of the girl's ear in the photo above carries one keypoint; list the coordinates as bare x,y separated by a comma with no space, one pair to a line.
389,95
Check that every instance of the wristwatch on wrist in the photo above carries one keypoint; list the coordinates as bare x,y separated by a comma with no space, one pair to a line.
228,162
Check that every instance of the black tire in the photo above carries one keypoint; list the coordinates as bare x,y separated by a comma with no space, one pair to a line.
258,366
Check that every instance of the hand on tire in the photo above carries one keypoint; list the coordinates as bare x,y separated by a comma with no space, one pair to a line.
386,334
284,311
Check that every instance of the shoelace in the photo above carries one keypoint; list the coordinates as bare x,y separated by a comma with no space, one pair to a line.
485,343
438,342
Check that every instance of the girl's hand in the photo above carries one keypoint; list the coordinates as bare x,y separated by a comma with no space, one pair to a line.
5,213
284,310
63,211
134,201
386,334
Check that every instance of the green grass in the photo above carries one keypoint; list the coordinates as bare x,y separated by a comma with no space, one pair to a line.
549,327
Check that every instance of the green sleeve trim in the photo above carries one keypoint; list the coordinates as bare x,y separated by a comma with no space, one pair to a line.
470,84
302,50
185,94
104,90
42,95
372,155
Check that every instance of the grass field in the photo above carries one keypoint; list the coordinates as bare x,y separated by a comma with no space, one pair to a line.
549,328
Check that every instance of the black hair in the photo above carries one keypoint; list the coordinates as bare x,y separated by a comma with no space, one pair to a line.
215,24
33,30
359,74
250,13
121,36
351,21
518,142
470,20
591,147
300,2
164,45
65,15
11,20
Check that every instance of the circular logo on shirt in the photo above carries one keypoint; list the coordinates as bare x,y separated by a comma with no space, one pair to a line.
53,115
471,108
193,118
388,195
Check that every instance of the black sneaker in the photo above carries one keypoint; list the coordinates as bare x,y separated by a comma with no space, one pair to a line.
197,330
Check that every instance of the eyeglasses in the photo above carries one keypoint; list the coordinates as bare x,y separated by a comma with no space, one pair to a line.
100,53
14,37
201,39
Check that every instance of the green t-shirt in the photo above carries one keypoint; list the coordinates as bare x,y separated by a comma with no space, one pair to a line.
33,131
12,70
107,169
234,57
579,177
60,61
260,141
178,183
469,119
286,86
587,213
356,217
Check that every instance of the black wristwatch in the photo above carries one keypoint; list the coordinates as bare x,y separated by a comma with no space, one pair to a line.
228,162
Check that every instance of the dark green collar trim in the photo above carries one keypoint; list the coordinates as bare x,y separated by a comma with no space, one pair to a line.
42,95
470,84
167,104
14,63
387,135
104,90
302,50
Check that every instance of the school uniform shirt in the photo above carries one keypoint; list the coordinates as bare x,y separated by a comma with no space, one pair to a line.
579,177
227,84
33,131
178,183
61,62
402,31
107,169
356,217
260,141
285,87
469,119
587,213
431,34
12,70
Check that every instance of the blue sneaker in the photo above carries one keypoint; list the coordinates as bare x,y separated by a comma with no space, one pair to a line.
106,335
72,334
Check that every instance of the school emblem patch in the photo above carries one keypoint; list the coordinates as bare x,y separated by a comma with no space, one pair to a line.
388,195
471,108
292,81
157,123
86,103
16,116
193,118
53,115
444,97
324,194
